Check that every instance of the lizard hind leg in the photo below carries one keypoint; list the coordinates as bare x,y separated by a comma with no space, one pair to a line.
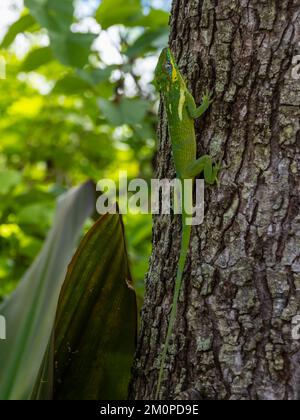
206,165
211,176
203,164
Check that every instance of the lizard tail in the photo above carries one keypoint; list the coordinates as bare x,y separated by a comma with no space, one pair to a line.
185,241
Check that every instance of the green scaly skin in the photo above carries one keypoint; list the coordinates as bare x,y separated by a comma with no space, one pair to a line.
182,111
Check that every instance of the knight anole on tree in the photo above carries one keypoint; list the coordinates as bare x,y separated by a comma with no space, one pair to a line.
181,112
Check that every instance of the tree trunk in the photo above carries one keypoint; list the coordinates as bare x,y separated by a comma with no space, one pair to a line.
241,292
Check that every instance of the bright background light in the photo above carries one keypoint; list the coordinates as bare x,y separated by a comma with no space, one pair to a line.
107,43
9,12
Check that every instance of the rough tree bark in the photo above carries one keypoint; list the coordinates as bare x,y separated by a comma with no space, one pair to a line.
241,291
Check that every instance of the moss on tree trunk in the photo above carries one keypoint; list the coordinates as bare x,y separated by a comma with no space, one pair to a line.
241,292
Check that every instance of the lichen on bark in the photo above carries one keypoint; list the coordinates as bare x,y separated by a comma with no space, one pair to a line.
233,336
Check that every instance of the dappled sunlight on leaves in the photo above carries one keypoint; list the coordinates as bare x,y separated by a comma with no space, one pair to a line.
66,116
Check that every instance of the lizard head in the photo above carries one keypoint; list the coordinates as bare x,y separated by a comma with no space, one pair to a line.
166,73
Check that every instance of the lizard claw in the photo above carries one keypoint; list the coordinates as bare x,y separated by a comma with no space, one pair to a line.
207,97
216,171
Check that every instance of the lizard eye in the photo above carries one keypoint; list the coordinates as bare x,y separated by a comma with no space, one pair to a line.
168,68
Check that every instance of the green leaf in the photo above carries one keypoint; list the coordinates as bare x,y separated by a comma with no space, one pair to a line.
8,180
38,216
154,19
96,76
54,15
95,331
43,389
25,22
113,12
81,80
128,111
37,58
147,42
30,311
72,49
71,84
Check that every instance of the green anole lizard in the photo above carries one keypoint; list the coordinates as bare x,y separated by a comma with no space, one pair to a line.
181,112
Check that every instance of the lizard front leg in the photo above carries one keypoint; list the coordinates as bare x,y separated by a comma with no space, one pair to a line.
193,110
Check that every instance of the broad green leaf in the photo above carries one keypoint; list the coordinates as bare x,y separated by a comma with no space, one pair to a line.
81,80
5,266
111,112
96,76
72,49
37,216
113,12
24,23
154,19
128,111
37,58
146,42
95,331
43,389
8,180
30,247
30,310
161,41
54,15
71,84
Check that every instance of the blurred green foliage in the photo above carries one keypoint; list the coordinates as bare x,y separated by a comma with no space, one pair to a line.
76,103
